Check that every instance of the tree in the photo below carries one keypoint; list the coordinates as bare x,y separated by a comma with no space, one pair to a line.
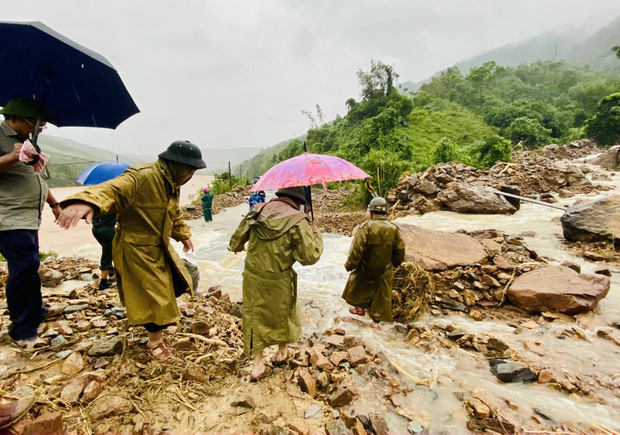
494,149
616,50
378,82
446,151
529,131
604,127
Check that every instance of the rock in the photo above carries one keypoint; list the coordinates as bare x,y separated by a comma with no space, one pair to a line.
341,397
434,250
592,221
494,425
338,357
336,341
194,373
511,371
185,345
463,198
313,411
559,289
594,256
603,271
92,391
307,383
73,390
546,376
357,355
451,304
50,423
502,263
117,312
565,193
70,309
200,327
358,428
58,341
194,272
337,427
415,428
571,265
106,346
50,277
490,281
73,364
610,159
479,408
379,425
247,403
322,379
106,406
426,188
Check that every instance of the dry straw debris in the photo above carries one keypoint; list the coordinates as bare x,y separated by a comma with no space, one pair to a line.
412,290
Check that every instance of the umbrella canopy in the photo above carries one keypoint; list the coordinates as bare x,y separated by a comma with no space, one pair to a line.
79,87
308,169
100,172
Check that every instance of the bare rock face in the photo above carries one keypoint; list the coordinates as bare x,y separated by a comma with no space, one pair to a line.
462,198
559,289
435,250
610,159
593,221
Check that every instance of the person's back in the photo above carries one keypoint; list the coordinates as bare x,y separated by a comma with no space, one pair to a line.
379,236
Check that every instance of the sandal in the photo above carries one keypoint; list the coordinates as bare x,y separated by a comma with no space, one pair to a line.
358,311
290,354
160,351
263,375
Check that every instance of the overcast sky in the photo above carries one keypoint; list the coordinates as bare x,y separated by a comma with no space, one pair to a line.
230,73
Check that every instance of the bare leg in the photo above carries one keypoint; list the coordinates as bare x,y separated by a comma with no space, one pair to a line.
258,366
375,325
155,338
281,354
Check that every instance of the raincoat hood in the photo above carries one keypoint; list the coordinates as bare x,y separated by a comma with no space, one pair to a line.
274,218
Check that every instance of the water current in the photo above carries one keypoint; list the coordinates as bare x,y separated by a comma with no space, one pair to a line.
449,371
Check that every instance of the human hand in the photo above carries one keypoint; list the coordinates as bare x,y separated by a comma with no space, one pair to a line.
188,245
17,147
56,210
70,216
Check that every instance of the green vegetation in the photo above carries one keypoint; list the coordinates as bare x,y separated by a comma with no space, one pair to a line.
222,183
42,255
477,119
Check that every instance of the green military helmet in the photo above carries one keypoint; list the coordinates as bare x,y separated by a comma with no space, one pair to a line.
292,192
183,151
378,205
27,108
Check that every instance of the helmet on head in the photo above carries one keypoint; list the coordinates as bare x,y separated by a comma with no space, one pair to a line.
206,190
183,151
296,193
377,205
27,108
261,193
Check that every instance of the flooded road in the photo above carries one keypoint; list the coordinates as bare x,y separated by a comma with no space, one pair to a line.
450,372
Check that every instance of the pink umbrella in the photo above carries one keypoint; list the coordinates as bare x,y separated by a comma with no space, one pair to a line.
308,169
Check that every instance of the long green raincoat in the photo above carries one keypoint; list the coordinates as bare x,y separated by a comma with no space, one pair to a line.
376,249
207,202
278,235
146,199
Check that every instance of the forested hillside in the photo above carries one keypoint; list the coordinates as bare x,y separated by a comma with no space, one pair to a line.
477,118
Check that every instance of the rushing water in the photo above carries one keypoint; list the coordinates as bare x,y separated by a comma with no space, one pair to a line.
448,371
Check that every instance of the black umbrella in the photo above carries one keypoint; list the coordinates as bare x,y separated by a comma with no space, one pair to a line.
79,87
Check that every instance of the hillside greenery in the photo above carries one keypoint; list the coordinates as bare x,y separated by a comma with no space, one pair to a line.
478,118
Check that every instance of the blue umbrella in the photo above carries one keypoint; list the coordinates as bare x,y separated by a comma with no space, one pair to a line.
100,172
79,87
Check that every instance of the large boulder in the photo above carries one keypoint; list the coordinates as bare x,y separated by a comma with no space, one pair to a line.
559,289
592,221
463,198
435,250
610,159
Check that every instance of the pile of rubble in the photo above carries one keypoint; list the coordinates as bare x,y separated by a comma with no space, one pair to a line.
538,173
220,202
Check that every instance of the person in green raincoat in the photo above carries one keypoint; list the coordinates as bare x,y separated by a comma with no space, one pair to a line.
376,249
207,202
279,235
150,274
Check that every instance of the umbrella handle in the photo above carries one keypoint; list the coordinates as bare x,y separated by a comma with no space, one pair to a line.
308,194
